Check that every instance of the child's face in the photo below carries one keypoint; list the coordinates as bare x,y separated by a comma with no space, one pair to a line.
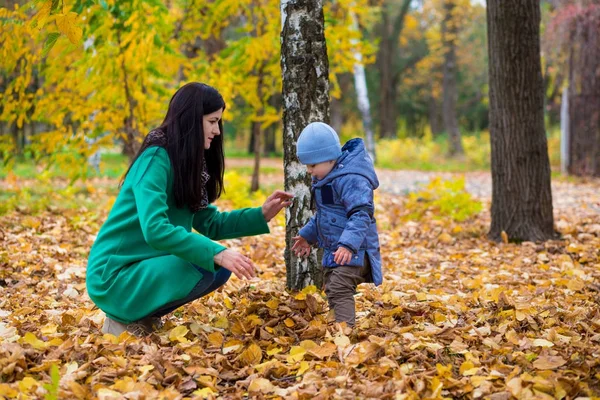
320,170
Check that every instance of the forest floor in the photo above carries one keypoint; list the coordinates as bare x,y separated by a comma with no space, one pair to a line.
458,316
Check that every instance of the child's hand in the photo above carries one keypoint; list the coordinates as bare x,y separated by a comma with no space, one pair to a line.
301,247
342,256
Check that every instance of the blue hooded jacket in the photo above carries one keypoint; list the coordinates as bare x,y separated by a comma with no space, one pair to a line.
345,208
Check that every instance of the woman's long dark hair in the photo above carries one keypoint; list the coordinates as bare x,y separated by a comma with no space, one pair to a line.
183,128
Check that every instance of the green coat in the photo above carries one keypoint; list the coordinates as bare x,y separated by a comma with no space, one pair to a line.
143,255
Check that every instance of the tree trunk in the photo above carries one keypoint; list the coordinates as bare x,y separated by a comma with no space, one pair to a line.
251,139
387,101
256,133
18,134
564,132
389,77
131,135
337,115
270,146
521,195
584,95
336,106
257,154
435,118
362,96
305,69
270,135
450,93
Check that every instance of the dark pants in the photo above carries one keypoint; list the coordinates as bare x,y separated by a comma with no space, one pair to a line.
208,284
340,287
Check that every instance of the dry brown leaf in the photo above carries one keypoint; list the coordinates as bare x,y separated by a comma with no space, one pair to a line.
549,362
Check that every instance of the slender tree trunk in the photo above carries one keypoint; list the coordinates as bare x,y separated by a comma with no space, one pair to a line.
387,99
564,132
131,135
435,118
270,135
337,115
521,195
251,139
336,107
17,134
362,96
256,133
387,59
305,69
450,92
584,95
257,154
270,146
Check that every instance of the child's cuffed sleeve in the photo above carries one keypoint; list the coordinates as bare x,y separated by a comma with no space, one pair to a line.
309,231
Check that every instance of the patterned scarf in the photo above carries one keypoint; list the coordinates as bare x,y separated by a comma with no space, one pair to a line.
159,138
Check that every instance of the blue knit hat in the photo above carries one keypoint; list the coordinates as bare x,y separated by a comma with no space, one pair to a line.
318,143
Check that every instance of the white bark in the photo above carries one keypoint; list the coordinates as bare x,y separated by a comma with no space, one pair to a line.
564,132
305,71
362,95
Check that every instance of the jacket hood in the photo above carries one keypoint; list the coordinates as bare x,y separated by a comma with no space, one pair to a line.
354,160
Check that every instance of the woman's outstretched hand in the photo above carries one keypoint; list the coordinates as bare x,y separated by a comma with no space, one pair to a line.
235,262
275,203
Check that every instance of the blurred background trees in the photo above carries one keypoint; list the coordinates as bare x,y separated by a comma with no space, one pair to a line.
82,76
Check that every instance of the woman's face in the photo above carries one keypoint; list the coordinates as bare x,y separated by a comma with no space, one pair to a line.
210,124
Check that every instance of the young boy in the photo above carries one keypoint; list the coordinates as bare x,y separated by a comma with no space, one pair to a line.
343,224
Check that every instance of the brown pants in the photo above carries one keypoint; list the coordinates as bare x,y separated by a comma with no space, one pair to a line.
340,287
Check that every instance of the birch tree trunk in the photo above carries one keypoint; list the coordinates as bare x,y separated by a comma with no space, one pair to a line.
305,70
362,95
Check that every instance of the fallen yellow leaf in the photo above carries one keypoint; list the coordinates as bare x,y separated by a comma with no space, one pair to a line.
261,385
304,366
296,354
33,341
273,303
178,333
215,339
252,355
27,384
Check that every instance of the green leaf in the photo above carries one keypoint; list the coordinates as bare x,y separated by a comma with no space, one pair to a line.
52,387
56,6
7,20
157,40
50,41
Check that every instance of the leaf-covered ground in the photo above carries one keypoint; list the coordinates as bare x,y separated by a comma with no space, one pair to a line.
457,317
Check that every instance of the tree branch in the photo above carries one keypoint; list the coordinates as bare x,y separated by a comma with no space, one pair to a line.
399,21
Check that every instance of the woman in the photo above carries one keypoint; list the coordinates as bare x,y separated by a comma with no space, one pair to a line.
146,262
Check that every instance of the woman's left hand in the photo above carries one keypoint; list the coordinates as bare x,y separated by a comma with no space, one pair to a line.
275,203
